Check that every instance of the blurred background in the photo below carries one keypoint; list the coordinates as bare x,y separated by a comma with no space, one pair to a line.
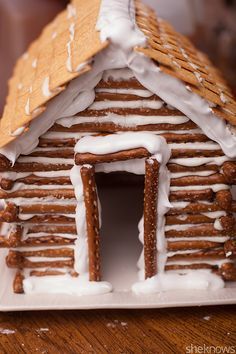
211,24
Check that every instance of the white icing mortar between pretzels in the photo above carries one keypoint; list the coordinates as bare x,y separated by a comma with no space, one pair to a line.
116,19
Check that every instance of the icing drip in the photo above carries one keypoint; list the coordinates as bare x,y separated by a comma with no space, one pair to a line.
45,88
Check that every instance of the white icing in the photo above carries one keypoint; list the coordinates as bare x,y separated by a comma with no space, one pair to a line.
223,98
34,63
198,161
71,11
179,205
42,248
136,92
54,35
65,284
179,227
125,121
21,186
72,33
45,88
218,225
45,200
30,216
27,107
122,141
197,146
217,262
215,187
171,254
135,166
18,131
46,160
124,74
200,238
191,173
152,104
43,234
194,279
215,214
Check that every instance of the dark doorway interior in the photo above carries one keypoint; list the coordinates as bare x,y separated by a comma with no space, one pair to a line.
121,197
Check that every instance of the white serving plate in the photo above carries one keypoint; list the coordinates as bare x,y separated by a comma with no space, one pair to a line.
115,300
120,251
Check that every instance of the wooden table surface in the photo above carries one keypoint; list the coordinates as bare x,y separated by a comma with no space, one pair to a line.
181,330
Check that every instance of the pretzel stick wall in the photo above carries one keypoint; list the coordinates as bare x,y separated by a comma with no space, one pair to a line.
150,216
137,153
92,220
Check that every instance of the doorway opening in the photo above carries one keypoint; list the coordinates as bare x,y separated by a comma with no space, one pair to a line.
121,196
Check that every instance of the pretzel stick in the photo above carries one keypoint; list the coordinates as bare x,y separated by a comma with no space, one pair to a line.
18,283
9,214
228,271
188,219
49,219
87,158
63,153
38,273
150,216
51,229
49,240
92,220
70,142
6,184
172,167
195,208
184,138
229,170
191,196
202,255
230,249
47,252
44,180
191,266
224,199
47,208
4,242
4,162
36,167
180,153
112,127
128,111
198,180
201,231
15,259
110,96
170,138
191,245
131,83
234,206
39,193
15,237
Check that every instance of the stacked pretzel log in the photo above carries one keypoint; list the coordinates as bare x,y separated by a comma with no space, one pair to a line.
38,215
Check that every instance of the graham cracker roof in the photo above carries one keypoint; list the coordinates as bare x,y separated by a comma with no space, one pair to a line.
176,56
67,45
45,69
